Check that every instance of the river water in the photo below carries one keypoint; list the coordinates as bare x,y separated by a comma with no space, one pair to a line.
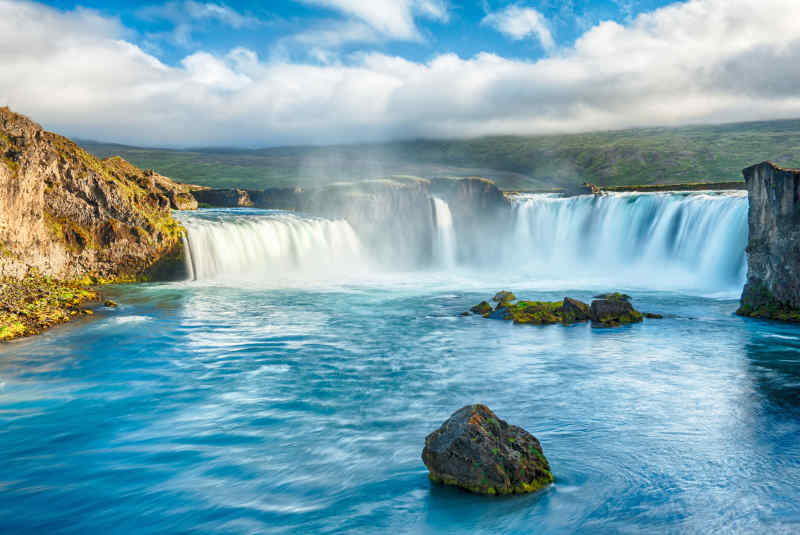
290,386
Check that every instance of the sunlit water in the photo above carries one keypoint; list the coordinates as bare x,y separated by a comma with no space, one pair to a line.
261,402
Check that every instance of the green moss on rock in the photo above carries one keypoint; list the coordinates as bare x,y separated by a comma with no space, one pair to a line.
758,302
536,312
478,452
35,302
482,309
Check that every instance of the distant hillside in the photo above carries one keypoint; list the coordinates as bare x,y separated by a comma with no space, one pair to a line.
638,156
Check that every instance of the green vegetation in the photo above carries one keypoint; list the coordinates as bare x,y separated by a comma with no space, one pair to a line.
35,302
616,158
535,312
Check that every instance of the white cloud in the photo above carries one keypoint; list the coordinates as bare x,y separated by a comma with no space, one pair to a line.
520,22
692,62
393,18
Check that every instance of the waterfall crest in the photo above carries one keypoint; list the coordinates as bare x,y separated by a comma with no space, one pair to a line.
697,239
659,241
224,244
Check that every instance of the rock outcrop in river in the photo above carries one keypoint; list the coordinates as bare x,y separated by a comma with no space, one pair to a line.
72,216
479,452
773,250
607,310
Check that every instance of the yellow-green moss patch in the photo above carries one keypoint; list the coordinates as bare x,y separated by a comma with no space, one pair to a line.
34,303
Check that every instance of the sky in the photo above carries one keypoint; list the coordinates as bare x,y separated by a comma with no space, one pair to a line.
287,72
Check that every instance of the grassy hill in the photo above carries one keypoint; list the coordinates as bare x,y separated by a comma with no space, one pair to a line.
639,156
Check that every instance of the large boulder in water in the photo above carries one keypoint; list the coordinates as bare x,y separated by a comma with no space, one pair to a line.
613,311
482,309
477,451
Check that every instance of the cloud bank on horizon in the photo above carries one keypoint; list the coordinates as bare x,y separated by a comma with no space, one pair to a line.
342,74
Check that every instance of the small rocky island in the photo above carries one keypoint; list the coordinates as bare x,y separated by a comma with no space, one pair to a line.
479,452
773,249
606,310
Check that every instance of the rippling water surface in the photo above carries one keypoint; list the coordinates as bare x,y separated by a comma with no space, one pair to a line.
291,391
209,408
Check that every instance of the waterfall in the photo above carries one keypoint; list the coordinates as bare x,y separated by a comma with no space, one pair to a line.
692,241
657,240
220,243
445,247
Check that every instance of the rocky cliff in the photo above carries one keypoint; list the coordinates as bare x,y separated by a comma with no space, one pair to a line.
71,216
773,250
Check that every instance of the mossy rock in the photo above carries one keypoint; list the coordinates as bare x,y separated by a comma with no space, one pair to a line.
613,313
504,296
574,311
478,452
170,267
482,309
536,312
33,303
615,296
758,302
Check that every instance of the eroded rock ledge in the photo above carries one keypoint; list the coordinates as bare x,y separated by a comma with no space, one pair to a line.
773,250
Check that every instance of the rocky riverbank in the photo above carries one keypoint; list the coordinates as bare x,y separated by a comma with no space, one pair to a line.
73,219
34,302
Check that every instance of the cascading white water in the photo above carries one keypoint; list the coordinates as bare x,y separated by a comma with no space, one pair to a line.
657,240
660,241
445,246
268,245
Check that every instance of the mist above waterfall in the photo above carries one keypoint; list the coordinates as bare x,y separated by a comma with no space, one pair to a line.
658,241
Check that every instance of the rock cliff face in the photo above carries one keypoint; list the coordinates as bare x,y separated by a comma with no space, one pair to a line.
230,198
72,216
773,249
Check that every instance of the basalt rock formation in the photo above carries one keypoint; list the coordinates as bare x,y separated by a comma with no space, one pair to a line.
773,250
225,198
71,216
479,452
